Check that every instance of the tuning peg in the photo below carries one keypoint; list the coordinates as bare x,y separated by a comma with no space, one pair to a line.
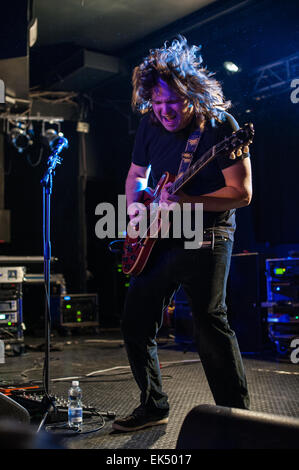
246,149
232,156
239,152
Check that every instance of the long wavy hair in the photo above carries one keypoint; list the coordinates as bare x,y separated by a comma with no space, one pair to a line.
180,66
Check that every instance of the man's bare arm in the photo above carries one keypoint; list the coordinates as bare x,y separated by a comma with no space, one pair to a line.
237,191
135,182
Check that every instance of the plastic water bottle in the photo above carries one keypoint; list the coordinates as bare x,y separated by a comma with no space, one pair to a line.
75,411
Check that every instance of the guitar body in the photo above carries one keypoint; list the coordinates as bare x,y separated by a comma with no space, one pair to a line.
136,251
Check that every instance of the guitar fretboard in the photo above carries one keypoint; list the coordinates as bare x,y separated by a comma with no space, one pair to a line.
206,158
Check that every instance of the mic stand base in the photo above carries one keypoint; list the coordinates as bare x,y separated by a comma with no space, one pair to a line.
48,406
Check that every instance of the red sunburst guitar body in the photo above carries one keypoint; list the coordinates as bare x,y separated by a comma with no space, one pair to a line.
137,250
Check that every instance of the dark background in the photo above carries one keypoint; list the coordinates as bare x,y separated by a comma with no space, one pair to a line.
253,35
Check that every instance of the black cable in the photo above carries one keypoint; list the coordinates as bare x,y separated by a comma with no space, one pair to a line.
69,431
39,159
115,250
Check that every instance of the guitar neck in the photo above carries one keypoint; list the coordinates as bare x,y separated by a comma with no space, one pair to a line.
240,138
206,158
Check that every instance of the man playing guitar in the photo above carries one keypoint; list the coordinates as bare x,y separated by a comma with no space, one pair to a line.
177,95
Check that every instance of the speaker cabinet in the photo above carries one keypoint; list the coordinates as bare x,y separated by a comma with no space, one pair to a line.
217,427
10,409
244,301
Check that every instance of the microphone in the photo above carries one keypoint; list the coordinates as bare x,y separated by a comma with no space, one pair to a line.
59,143
56,142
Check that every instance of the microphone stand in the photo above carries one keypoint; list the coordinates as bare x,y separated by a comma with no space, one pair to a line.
48,403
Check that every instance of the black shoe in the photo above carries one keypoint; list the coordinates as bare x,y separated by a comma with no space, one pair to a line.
138,420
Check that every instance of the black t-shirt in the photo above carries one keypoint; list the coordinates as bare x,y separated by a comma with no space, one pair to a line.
161,149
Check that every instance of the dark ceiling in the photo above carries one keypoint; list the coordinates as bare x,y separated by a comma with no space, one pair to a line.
249,32
117,29
105,25
91,45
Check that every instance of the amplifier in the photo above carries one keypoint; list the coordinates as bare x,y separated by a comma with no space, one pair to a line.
243,301
11,305
282,268
10,291
282,279
79,310
282,302
12,274
34,301
9,312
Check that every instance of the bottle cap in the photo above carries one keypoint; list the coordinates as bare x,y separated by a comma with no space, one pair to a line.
75,383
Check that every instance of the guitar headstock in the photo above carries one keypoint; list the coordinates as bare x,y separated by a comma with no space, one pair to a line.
238,143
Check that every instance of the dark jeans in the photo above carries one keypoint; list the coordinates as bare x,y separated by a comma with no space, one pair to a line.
203,274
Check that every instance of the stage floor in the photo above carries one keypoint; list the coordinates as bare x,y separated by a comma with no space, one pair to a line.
100,364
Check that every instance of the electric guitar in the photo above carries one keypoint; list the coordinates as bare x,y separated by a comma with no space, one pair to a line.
137,249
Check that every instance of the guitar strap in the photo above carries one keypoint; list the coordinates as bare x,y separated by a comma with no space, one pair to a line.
189,151
186,160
